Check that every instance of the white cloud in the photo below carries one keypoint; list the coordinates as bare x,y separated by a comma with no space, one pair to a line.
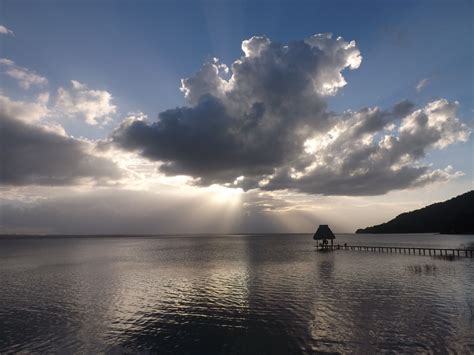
353,158
26,78
5,31
270,72
36,151
436,125
422,84
23,110
339,55
5,61
266,119
94,106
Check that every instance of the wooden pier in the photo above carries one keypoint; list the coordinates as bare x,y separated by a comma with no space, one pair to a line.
467,253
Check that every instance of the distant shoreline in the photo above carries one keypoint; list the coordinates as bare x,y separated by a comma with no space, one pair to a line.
454,216
177,235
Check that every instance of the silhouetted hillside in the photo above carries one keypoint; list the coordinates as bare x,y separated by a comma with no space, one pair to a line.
454,216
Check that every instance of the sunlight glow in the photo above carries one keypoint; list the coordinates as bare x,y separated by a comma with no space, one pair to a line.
222,194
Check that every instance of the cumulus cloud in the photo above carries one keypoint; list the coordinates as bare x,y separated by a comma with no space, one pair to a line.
24,110
264,123
354,158
5,31
252,121
38,153
26,78
94,106
422,84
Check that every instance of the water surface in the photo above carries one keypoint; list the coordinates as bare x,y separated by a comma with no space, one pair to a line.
233,294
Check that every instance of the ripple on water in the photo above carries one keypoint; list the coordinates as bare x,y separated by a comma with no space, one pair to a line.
266,294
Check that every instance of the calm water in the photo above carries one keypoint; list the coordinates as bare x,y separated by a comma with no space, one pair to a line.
232,294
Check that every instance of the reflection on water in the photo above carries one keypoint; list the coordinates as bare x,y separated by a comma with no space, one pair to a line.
232,294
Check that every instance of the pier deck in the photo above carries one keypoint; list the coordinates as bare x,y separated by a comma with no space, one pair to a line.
468,253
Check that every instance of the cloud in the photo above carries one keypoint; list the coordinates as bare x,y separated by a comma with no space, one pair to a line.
114,211
167,209
5,31
122,211
94,106
38,153
26,78
264,123
422,84
354,158
23,110
251,118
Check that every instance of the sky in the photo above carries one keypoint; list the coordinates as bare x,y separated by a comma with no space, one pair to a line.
157,117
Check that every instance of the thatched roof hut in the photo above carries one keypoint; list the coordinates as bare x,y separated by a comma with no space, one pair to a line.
323,233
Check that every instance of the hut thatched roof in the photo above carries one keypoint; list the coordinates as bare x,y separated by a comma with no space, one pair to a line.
323,232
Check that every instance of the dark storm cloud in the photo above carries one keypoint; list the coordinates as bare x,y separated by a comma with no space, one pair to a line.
206,141
35,155
266,119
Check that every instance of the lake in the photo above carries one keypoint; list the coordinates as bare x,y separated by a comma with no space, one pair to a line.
218,294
